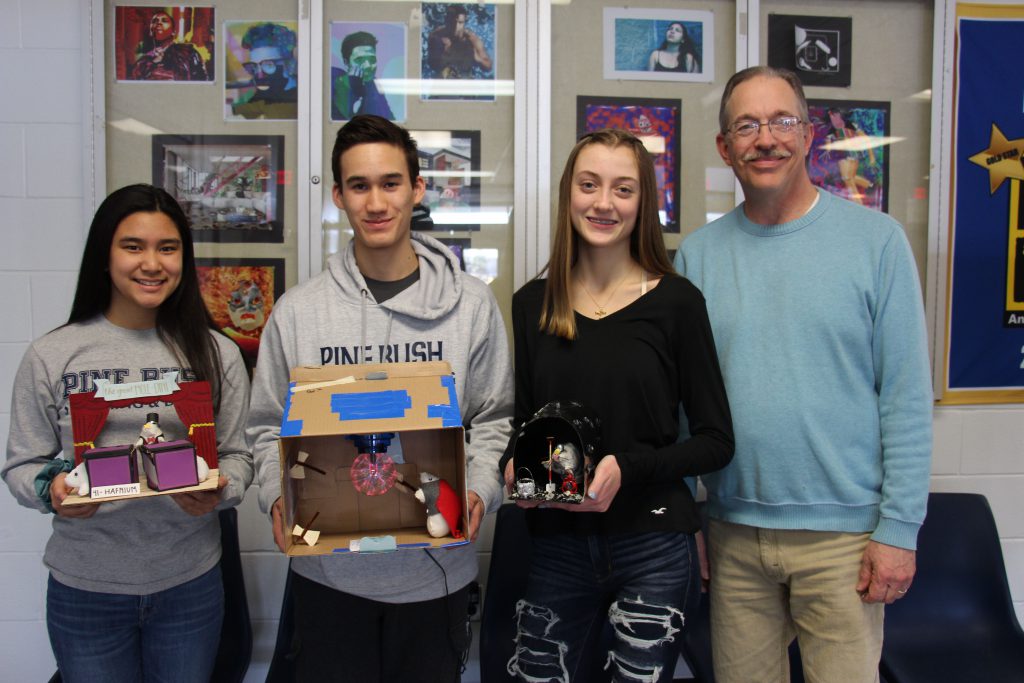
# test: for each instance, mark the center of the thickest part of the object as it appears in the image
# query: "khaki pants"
(769, 585)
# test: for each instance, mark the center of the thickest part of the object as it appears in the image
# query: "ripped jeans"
(621, 599)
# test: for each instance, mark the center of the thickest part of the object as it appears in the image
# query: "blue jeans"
(626, 595)
(171, 636)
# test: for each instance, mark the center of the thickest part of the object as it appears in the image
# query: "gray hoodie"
(333, 319)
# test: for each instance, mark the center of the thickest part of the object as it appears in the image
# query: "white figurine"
(78, 478)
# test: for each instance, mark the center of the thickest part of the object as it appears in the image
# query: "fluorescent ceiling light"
(655, 144)
(457, 174)
(484, 215)
(861, 143)
(135, 127)
(445, 87)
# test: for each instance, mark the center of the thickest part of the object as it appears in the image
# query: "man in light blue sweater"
(818, 320)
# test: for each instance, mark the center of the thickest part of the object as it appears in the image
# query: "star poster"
(985, 296)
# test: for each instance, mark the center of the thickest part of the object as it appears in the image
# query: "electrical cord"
(462, 655)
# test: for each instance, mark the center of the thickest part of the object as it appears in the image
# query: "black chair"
(697, 642)
(506, 583)
(957, 623)
(235, 649)
(282, 664)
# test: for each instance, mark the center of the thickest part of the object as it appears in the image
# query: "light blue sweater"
(820, 333)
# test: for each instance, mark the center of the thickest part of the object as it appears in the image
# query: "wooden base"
(209, 485)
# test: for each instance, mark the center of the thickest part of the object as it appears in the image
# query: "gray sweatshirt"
(333, 319)
(133, 547)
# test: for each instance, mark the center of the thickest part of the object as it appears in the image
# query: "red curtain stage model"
(192, 402)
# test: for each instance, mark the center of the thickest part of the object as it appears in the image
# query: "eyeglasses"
(780, 127)
(267, 66)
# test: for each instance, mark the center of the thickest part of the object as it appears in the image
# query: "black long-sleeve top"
(634, 369)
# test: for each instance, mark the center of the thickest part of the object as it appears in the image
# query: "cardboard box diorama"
(553, 456)
(373, 459)
(111, 472)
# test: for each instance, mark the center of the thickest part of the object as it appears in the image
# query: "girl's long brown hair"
(646, 244)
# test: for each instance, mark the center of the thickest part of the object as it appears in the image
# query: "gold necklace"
(601, 312)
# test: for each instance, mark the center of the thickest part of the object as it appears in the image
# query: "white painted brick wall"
(41, 229)
(41, 233)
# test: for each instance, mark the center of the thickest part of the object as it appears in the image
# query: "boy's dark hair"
(367, 128)
(354, 40)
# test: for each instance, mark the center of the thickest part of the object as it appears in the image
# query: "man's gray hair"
(768, 72)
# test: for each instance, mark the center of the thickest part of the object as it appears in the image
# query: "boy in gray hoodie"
(391, 296)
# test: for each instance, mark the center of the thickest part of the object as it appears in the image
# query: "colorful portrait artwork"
(458, 51)
(261, 70)
(231, 187)
(164, 44)
(849, 155)
(656, 123)
(240, 294)
(367, 69)
(658, 45)
(450, 167)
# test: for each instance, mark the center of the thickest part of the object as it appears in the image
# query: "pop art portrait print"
(367, 65)
(261, 70)
(164, 44)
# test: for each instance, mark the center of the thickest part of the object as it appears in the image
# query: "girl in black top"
(676, 53)
(614, 328)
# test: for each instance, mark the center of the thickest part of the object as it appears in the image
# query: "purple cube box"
(170, 465)
(111, 466)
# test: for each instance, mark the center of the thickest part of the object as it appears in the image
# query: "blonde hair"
(646, 244)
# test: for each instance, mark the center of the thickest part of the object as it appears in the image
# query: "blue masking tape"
(449, 414)
(371, 405)
(290, 427)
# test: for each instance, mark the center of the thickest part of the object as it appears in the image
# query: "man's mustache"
(766, 154)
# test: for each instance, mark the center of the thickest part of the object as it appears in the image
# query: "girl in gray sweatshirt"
(134, 585)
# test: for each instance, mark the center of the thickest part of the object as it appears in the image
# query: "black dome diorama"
(554, 453)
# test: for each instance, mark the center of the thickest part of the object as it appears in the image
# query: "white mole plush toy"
(444, 510)
(78, 478)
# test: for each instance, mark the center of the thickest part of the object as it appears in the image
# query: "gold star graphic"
(1002, 159)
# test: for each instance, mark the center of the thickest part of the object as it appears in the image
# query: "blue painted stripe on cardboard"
(371, 405)
(290, 427)
(449, 414)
